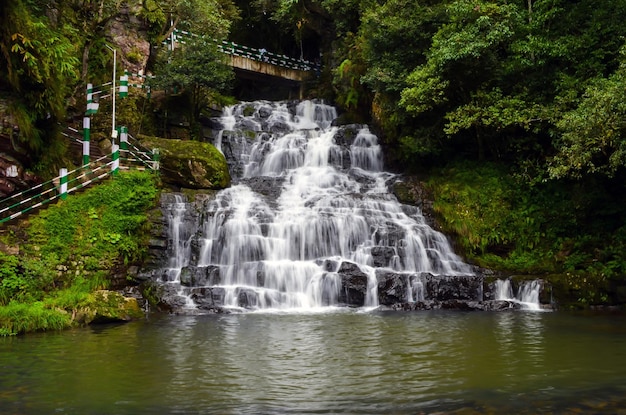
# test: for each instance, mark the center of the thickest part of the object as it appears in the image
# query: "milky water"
(527, 293)
(332, 205)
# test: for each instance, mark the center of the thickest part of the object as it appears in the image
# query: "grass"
(70, 250)
(572, 232)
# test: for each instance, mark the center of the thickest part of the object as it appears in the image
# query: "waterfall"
(309, 221)
(179, 238)
(527, 294)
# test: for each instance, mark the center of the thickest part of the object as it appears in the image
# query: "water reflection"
(340, 362)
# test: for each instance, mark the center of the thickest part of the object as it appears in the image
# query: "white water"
(180, 237)
(286, 253)
(527, 295)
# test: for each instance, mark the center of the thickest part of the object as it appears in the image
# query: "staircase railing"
(56, 188)
(134, 156)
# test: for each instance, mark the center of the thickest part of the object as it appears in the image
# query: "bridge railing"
(261, 55)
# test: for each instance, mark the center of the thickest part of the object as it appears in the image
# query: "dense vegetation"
(70, 250)
(514, 109)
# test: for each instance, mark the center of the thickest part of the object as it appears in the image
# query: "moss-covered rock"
(190, 164)
(108, 307)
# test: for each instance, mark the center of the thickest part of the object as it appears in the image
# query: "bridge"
(258, 61)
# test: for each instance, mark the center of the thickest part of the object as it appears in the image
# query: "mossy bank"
(56, 266)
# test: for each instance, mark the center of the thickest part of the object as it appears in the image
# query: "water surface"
(344, 361)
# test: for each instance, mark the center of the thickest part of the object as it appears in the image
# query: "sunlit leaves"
(494, 110)
(593, 136)
(427, 91)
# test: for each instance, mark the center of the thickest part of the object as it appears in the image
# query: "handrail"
(36, 196)
(81, 177)
(261, 55)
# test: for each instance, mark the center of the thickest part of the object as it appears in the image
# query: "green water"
(344, 362)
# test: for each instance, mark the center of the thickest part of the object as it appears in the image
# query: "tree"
(211, 18)
(199, 71)
(593, 135)
(37, 68)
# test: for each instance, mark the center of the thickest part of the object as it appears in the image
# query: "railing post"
(124, 138)
(86, 139)
(63, 183)
(92, 107)
(156, 157)
(124, 85)
(115, 164)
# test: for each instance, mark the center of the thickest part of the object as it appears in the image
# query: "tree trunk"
(86, 49)
(481, 145)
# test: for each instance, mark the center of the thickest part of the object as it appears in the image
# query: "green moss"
(134, 56)
(69, 251)
(552, 229)
(190, 164)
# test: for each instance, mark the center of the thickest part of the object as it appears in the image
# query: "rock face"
(130, 34)
(13, 177)
(190, 164)
(279, 239)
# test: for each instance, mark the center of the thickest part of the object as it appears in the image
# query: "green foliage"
(11, 283)
(17, 318)
(547, 227)
(22, 280)
(94, 243)
(199, 72)
(37, 68)
(72, 248)
(593, 135)
(212, 18)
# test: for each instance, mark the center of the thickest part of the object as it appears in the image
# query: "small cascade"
(179, 238)
(527, 294)
(309, 221)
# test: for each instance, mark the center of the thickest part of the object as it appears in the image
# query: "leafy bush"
(503, 222)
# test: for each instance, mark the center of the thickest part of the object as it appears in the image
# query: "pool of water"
(339, 361)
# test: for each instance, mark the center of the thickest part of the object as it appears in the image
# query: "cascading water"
(527, 294)
(309, 222)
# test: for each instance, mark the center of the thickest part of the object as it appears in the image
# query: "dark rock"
(164, 297)
(392, 288)
(247, 298)
(353, 285)
(444, 288)
(200, 276)
(207, 298)
(382, 255)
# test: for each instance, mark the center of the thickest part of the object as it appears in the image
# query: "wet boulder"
(353, 285)
(208, 298)
(199, 276)
(392, 287)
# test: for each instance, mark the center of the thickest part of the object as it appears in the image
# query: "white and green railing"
(59, 187)
(261, 55)
(132, 157)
